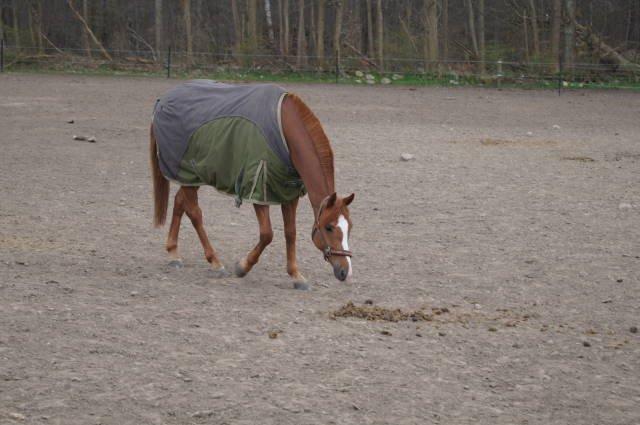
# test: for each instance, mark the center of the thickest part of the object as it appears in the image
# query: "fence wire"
(359, 69)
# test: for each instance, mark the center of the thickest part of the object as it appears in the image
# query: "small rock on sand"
(202, 414)
(407, 157)
(17, 416)
(633, 329)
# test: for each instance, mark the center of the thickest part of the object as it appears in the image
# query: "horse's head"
(331, 234)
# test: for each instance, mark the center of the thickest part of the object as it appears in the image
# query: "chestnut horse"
(312, 157)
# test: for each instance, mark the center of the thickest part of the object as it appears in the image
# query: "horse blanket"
(229, 137)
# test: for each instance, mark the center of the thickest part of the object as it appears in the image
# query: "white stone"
(407, 157)
(385, 80)
(359, 74)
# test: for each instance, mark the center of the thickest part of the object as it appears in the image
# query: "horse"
(197, 124)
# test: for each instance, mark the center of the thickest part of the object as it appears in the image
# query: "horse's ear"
(349, 199)
(332, 200)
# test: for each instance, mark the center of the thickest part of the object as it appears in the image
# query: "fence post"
(1, 54)
(337, 68)
(169, 63)
(499, 72)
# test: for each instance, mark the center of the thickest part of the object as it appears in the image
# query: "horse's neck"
(318, 184)
(310, 149)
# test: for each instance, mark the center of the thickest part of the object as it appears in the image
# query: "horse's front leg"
(266, 236)
(289, 218)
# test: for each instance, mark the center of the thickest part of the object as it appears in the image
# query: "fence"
(355, 69)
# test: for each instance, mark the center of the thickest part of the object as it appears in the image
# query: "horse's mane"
(319, 138)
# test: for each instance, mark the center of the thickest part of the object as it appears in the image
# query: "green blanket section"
(232, 155)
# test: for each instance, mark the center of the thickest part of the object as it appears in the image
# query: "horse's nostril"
(343, 274)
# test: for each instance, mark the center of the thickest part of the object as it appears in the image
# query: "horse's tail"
(160, 185)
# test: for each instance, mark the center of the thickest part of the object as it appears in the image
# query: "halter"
(327, 251)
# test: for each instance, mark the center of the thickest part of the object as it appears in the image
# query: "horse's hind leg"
(289, 218)
(266, 236)
(172, 238)
(194, 213)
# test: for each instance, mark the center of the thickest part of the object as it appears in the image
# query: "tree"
(300, 51)
(481, 37)
(380, 34)
(472, 27)
(158, 26)
(186, 15)
(556, 22)
(85, 34)
(267, 15)
(534, 29)
(16, 24)
(337, 32)
(569, 33)
(431, 33)
(445, 29)
(285, 16)
(252, 25)
(320, 38)
(370, 48)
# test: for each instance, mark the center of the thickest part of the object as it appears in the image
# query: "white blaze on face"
(343, 224)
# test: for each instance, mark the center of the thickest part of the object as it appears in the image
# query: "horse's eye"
(328, 228)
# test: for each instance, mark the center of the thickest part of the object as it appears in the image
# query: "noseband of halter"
(328, 252)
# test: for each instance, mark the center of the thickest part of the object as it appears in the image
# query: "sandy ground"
(528, 235)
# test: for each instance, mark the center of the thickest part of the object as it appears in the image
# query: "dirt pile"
(371, 312)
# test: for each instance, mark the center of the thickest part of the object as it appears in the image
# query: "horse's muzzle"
(340, 272)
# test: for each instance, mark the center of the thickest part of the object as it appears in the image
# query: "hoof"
(239, 270)
(175, 264)
(301, 286)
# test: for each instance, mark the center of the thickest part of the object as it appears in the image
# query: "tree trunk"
(267, 14)
(481, 37)
(158, 27)
(85, 35)
(84, 23)
(186, 11)
(16, 24)
(337, 32)
(285, 15)
(380, 34)
(431, 33)
(300, 51)
(252, 12)
(555, 32)
(472, 28)
(569, 33)
(525, 26)
(370, 48)
(37, 13)
(535, 30)
(445, 29)
(320, 40)
(30, 23)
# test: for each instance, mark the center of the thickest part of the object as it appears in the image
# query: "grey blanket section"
(185, 108)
